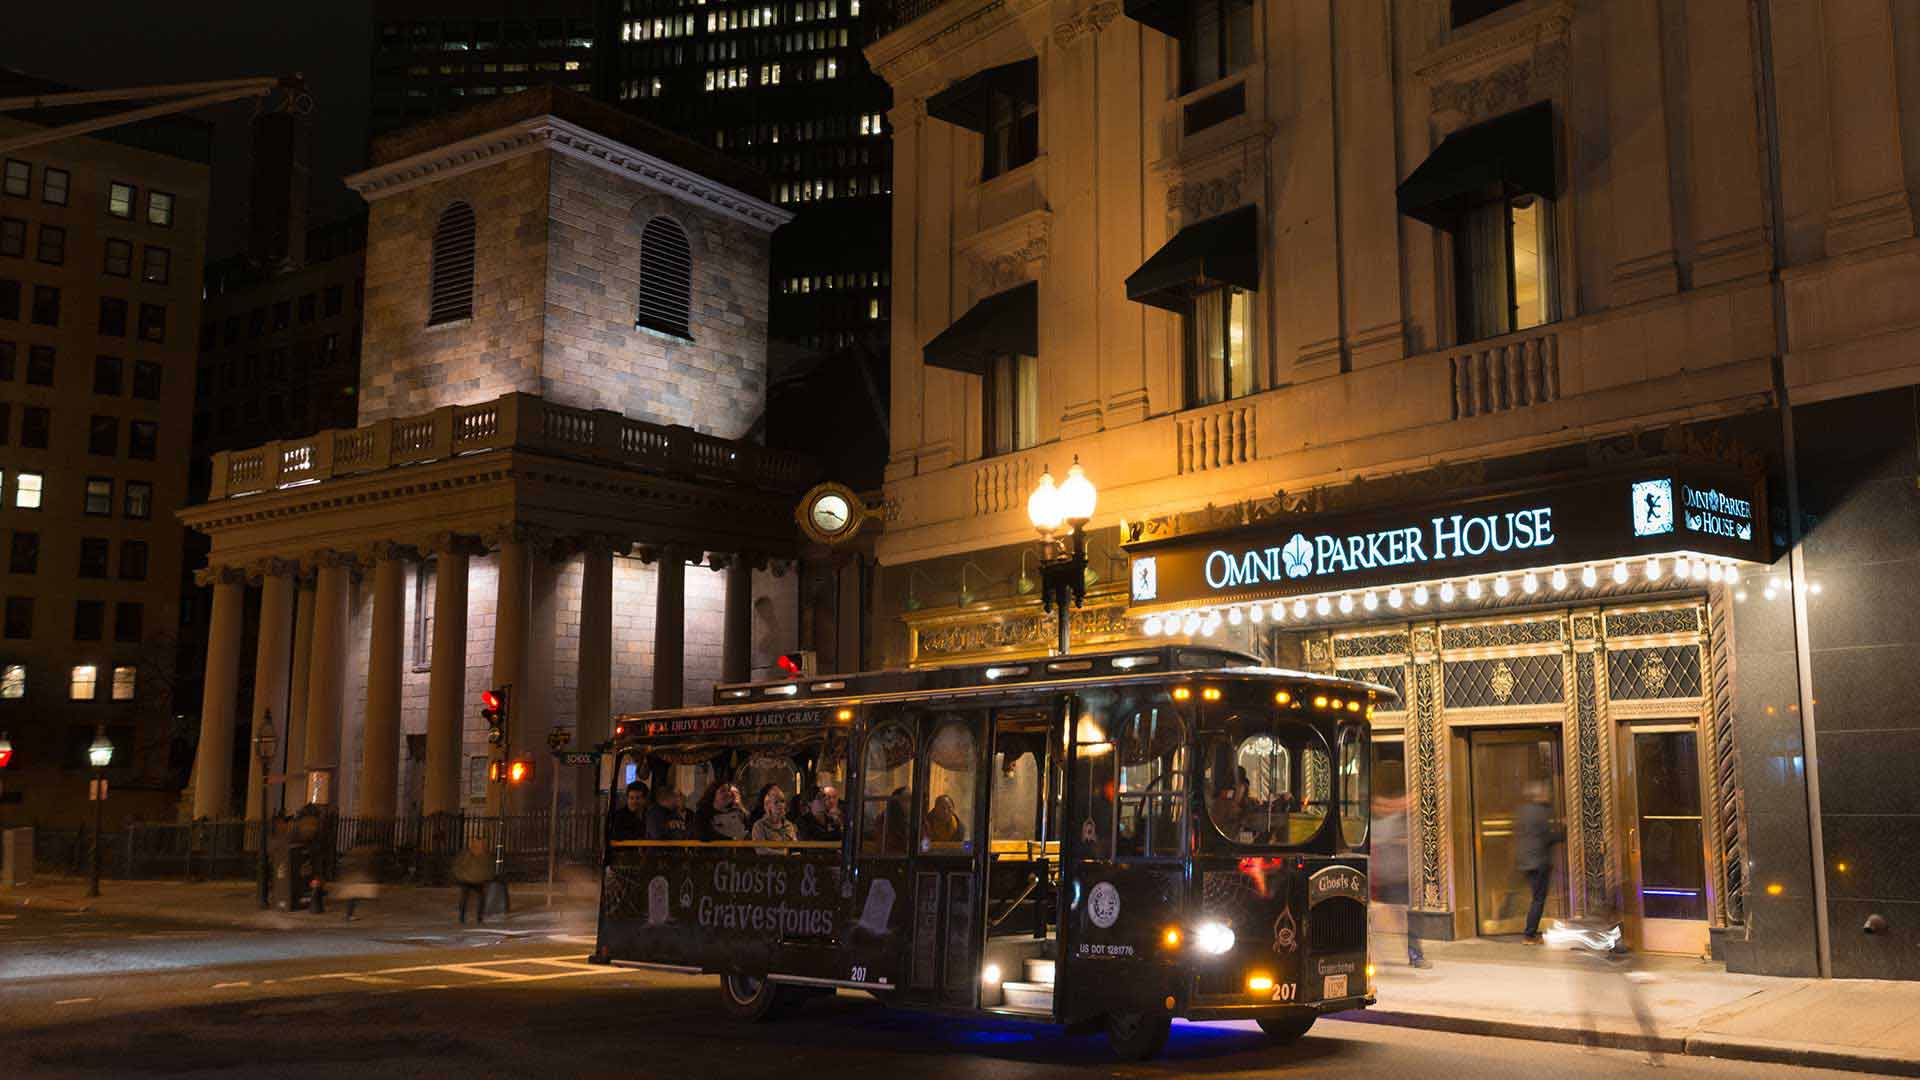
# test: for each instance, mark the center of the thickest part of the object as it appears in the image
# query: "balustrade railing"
(1507, 373)
(515, 421)
(1217, 439)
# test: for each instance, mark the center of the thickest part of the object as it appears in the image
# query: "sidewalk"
(1690, 1007)
(237, 904)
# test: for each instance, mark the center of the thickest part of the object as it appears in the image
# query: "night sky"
(99, 44)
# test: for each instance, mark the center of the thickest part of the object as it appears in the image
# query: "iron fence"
(416, 849)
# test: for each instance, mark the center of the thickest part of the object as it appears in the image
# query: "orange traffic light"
(519, 771)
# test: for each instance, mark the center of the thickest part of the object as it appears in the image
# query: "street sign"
(579, 757)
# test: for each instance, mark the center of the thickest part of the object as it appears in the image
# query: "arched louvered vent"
(666, 278)
(452, 298)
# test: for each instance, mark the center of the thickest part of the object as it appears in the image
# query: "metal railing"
(416, 849)
(509, 422)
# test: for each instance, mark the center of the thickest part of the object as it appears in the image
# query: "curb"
(1679, 1046)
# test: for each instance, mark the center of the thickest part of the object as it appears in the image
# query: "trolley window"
(886, 792)
(953, 773)
(1355, 808)
(1269, 782)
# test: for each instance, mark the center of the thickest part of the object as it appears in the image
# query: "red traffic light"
(789, 665)
(490, 699)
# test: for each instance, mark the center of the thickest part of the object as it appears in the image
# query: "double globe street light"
(1063, 556)
(99, 755)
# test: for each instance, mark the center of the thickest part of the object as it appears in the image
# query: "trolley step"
(1028, 996)
(1040, 971)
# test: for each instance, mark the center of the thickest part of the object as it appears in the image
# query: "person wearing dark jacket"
(719, 816)
(817, 824)
(667, 820)
(1535, 837)
(629, 822)
(473, 870)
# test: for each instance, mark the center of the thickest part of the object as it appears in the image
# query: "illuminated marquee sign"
(1693, 509)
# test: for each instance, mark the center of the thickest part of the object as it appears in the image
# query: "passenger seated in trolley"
(773, 825)
(719, 816)
(943, 826)
(818, 823)
(668, 818)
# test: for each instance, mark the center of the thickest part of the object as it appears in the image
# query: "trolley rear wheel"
(749, 997)
(1137, 1037)
(1286, 1029)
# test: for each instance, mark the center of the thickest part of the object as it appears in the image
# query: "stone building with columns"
(1283, 272)
(565, 336)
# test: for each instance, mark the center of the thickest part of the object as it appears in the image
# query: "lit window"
(873, 309)
(13, 681)
(27, 490)
(120, 200)
(81, 685)
(54, 188)
(1012, 400)
(1219, 346)
(123, 683)
(19, 181)
(1218, 41)
(1502, 254)
(99, 497)
(159, 209)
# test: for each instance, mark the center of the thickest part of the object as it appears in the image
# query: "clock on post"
(830, 513)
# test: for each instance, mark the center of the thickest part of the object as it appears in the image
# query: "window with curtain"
(666, 279)
(451, 297)
(1218, 42)
(1011, 391)
(886, 792)
(1503, 252)
(1219, 346)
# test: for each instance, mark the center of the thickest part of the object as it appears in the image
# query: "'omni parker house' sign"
(1700, 509)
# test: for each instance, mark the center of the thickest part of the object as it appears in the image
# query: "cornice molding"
(581, 144)
(1479, 45)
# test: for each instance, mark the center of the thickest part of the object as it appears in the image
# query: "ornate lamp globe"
(1077, 496)
(1044, 506)
(101, 752)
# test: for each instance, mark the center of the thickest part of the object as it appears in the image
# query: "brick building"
(564, 333)
(101, 250)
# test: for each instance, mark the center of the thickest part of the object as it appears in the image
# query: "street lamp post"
(557, 739)
(265, 742)
(100, 754)
(1063, 557)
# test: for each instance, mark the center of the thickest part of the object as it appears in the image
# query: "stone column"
(736, 649)
(510, 645)
(669, 628)
(594, 684)
(447, 680)
(533, 710)
(380, 755)
(270, 674)
(293, 793)
(326, 674)
(213, 764)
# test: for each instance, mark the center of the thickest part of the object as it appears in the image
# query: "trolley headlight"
(1213, 938)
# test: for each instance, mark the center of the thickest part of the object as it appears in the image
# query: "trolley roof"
(819, 691)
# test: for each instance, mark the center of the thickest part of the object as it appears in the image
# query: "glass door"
(1666, 837)
(1506, 767)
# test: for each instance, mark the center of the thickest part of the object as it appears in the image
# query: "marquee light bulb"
(1152, 626)
(1559, 580)
(1233, 616)
(1530, 584)
(1321, 607)
(1473, 588)
(1420, 596)
(1279, 611)
(1211, 624)
(1653, 569)
(1346, 605)
(1446, 592)
(1682, 568)
(1732, 575)
(1500, 586)
(1299, 609)
(1589, 577)
(1715, 573)
(1619, 573)
(1395, 598)
(1192, 623)
(1371, 601)
(1257, 614)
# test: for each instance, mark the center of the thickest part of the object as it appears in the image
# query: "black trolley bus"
(1108, 840)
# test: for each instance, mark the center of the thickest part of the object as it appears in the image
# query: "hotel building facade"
(1548, 362)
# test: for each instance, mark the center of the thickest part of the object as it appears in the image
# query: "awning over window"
(1167, 16)
(967, 102)
(1508, 155)
(1004, 324)
(1222, 250)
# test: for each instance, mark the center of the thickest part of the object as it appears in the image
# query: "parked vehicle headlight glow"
(1213, 937)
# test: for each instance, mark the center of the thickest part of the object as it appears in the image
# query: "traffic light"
(796, 664)
(494, 706)
(6, 750)
(496, 771)
(519, 770)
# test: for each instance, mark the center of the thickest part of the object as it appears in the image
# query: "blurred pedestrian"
(359, 877)
(1535, 837)
(473, 871)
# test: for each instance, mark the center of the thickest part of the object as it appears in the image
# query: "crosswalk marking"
(489, 972)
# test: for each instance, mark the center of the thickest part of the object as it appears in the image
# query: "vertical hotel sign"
(1696, 509)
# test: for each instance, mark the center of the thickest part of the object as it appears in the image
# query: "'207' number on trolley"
(1286, 991)
(859, 973)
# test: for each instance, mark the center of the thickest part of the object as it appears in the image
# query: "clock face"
(831, 513)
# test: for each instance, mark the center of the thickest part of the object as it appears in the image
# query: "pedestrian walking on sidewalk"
(359, 877)
(1535, 837)
(473, 870)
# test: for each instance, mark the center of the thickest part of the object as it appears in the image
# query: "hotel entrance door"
(1502, 764)
(1660, 802)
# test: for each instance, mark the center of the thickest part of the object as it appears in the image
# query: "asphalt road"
(90, 996)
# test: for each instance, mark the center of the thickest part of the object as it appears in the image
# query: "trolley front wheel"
(1286, 1029)
(1136, 1036)
(747, 997)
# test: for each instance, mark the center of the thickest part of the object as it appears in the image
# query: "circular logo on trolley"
(1103, 904)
